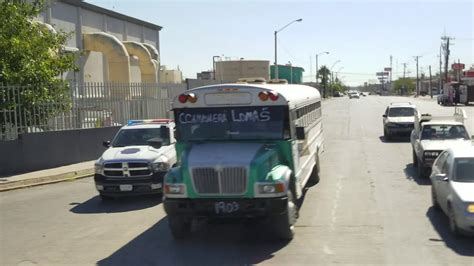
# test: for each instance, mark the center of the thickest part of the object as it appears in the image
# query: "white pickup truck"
(137, 159)
(434, 134)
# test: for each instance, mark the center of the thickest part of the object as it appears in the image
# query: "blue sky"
(362, 34)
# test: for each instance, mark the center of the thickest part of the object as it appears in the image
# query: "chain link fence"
(91, 105)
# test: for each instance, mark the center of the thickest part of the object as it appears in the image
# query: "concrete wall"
(37, 151)
(79, 17)
(231, 71)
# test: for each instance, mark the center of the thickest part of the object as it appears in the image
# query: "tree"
(31, 56)
(404, 85)
(324, 73)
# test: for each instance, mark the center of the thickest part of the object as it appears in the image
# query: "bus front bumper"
(226, 208)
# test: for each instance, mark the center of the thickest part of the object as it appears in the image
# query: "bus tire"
(315, 173)
(284, 224)
(180, 226)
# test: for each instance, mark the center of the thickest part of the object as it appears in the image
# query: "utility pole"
(446, 44)
(404, 69)
(431, 91)
(310, 68)
(391, 70)
(417, 78)
(440, 85)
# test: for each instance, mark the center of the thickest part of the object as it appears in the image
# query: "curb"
(44, 180)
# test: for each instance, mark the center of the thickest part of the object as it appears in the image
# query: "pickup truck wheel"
(180, 226)
(434, 199)
(314, 177)
(284, 224)
(415, 159)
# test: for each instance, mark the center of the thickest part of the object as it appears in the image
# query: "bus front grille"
(227, 181)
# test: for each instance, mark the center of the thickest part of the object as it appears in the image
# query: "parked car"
(399, 119)
(137, 159)
(452, 188)
(338, 94)
(432, 135)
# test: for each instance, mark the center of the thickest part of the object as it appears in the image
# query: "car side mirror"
(106, 143)
(155, 143)
(300, 134)
(441, 177)
(384, 116)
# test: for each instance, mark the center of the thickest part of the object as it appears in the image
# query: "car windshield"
(401, 111)
(260, 122)
(444, 132)
(464, 170)
(141, 136)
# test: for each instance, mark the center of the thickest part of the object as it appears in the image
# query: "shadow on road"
(395, 139)
(125, 204)
(211, 244)
(462, 245)
(412, 175)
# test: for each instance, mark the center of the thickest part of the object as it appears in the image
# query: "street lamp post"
(332, 76)
(276, 50)
(317, 69)
(214, 66)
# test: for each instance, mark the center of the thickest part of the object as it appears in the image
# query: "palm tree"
(324, 72)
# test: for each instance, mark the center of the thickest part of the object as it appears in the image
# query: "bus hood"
(222, 154)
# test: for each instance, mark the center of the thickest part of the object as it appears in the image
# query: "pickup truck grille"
(127, 169)
(225, 181)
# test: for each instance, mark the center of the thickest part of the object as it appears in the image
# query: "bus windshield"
(231, 123)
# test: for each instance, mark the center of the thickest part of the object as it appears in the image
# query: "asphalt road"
(369, 208)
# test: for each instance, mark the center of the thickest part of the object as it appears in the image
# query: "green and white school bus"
(244, 151)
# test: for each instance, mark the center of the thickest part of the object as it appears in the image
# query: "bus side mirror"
(384, 116)
(300, 135)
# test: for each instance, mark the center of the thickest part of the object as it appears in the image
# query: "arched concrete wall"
(115, 52)
(153, 51)
(147, 67)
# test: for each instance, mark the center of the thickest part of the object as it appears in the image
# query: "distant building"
(232, 70)
(115, 47)
(174, 76)
(205, 75)
(293, 74)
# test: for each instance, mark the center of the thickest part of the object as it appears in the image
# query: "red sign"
(457, 66)
(469, 73)
(387, 69)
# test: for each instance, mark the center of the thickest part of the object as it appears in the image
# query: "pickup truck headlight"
(160, 167)
(470, 208)
(270, 189)
(432, 154)
(99, 168)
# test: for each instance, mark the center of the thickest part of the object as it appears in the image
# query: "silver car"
(452, 189)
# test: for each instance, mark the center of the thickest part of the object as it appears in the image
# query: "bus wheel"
(180, 226)
(284, 224)
(315, 174)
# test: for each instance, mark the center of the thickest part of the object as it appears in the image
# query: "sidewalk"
(48, 176)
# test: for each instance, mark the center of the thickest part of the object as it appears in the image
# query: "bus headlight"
(175, 190)
(270, 189)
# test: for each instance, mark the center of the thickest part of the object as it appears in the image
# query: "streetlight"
(276, 32)
(337, 72)
(332, 76)
(214, 66)
(317, 69)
